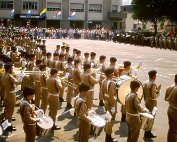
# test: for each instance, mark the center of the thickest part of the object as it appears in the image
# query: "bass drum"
(123, 86)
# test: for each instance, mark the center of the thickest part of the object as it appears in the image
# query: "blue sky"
(126, 2)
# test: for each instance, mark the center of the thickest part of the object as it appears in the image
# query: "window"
(95, 8)
(53, 6)
(77, 7)
(6, 4)
(114, 8)
(29, 5)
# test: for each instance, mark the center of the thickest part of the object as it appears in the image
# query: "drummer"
(109, 90)
(81, 110)
(151, 93)
(26, 112)
(133, 108)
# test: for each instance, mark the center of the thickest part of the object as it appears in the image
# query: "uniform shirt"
(151, 88)
(171, 95)
(133, 104)
(8, 82)
(30, 65)
(26, 112)
(48, 63)
(87, 78)
(109, 90)
(82, 109)
(43, 80)
(76, 75)
(69, 69)
(54, 86)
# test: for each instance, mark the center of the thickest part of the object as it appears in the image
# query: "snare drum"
(98, 124)
(147, 121)
(44, 127)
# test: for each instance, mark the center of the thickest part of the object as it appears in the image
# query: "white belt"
(13, 91)
(152, 99)
(91, 90)
(54, 94)
(106, 95)
(173, 107)
(44, 88)
(136, 114)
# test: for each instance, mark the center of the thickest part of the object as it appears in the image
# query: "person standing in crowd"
(81, 111)
(151, 93)
(102, 67)
(133, 109)
(171, 97)
(43, 89)
(112, 64)
(109, 91)
(8, 84)
(126, 71)
(69, 71)
(54, 87)
(87, 78)
(27, 115)
(86, 58)
(76, 75)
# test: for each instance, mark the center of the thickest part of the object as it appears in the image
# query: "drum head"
(46, 122)
(124, 90)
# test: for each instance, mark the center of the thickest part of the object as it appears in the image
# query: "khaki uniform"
(76, 79)
(133, 108)
(87, 78)
(83, 121)
(150, 97)
(54, 87)
(8, 83)
(109, 91)
(152, 93)
(44, 92)
(102, 77)
(69, 69)
(171, 97)
(29, 126)
(61, 67)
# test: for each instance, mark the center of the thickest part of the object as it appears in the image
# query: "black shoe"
(149, 134)
(101, 103)
(11, 128)
(13, 118)
(69, 106)
(123, 119)
(95, 99)
(61, 99)
(55, 127)
(110, 139)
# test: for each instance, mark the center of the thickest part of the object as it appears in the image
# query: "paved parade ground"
(164, 61)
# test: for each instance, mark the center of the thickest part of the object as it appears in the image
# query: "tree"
(149, 11)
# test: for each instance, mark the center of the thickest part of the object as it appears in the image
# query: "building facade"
(88, 13)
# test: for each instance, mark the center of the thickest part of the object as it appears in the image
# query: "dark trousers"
(30, 133)
(172, 120)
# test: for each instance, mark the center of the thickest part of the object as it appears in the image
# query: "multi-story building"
(89, 13)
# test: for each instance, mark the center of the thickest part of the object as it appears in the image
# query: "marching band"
(47, 79)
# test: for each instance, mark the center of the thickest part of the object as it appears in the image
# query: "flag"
(58, 14)
(43, 14)
(72, 15)
(12, 13)
(28, 14)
